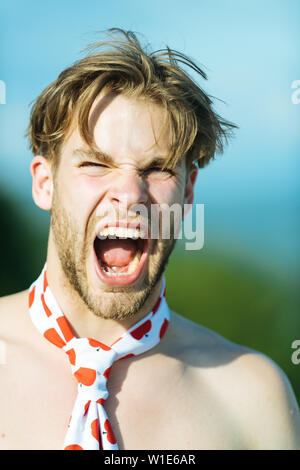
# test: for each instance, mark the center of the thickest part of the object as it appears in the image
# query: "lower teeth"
(112, 270)
(115, 274)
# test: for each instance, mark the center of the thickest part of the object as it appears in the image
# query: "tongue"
(116, 252)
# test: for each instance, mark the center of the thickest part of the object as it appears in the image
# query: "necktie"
(91, 362)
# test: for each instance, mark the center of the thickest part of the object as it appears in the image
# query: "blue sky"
(250, 51)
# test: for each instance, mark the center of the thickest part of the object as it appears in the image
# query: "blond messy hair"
(124, 67)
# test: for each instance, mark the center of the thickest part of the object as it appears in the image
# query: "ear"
(42, 183)
(189, 188)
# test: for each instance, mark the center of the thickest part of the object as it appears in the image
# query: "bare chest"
(154, 405)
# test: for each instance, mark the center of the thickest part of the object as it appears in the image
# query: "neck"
(84, 322)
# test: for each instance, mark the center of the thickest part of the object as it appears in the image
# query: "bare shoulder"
(273, 415)
(201, 342)
(253, 387)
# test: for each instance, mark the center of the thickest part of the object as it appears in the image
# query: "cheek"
(82, 192)
(167, 192)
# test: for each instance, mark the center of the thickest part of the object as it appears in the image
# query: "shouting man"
(95, 358)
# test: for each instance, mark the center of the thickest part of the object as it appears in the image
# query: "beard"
(74, 245)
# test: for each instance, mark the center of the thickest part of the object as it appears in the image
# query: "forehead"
(127, 128)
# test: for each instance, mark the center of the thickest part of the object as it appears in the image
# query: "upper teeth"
(121, 232)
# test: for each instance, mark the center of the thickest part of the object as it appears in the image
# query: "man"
(120, 130)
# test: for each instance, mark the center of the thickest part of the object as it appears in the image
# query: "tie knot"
(91, 362)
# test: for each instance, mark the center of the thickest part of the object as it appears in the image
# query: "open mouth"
(120, 254)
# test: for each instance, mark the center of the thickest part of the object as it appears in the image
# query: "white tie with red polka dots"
(91, 362)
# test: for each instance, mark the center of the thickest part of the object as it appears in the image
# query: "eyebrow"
(94, 154)
(108, 159)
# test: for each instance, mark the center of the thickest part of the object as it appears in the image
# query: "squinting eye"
(92, 164)
(160, 171)
(93, 169)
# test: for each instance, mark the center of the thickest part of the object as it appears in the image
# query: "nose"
(128, 189)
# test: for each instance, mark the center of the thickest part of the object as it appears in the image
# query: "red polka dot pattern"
(141, 330)
(156, 307)
(110, 434)
(92, 361)
(72, 356)
(73, 447)
(85, 376)
(65, 328)
(97, 344)
(95, 429)
(107, 372)
(47, 310)
(163, 328)
(31, 296)
(54, 338)
(86, 407)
